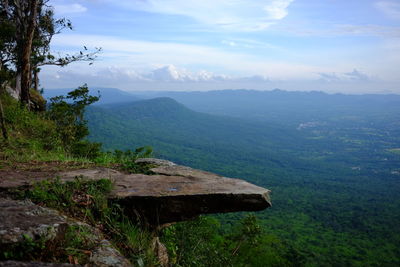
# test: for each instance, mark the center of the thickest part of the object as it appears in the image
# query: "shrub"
(67, 113)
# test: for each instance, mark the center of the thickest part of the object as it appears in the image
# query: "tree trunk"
(26, 77)
(2, 122)
(36, 80)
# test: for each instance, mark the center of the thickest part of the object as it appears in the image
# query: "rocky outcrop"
(177, 193)
(172, 193)
(22, 221)
(168, 193)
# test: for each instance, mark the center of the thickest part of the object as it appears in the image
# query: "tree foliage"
(204, 242)
(26, 31)
(68, 114)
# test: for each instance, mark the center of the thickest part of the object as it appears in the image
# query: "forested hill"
(286, 106)
(167, 123)
(335, 182)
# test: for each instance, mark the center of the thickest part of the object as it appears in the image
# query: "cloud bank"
(235, 15)
(63, 9)
(172, 78)
(354, 75)
(390, 8)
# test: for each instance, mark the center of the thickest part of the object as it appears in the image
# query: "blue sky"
(347, 46)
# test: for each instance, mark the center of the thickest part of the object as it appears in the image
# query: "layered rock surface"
(23, 220)
(169, 193)
(177, 193)
(172, 193)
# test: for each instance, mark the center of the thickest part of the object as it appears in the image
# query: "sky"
(345, 46)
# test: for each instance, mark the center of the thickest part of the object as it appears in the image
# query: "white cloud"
(117, 76)
(146, 55)
(145, 64)
(329, 77)
(277, 9)
(234, 15)
(367, 30)
(230, 43)
(62, 9)
(170, 73)
(249, 43)
(178, 79)
(354, 75)
(390, 8)
(335, 30)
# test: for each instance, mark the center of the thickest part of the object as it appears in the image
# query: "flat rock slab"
(173, 193)
(17, 178)
(177, 193)
(22, 219)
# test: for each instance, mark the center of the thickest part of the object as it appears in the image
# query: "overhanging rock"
(177, 193)
(172, 193)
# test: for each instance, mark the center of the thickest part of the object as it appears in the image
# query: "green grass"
(87, 201)
(31, 135)
(73, 245)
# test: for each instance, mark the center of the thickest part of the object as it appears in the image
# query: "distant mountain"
(170, 127)
(286, 107)
(107, 95)
(288, 132)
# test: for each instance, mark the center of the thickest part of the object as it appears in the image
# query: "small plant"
(82, 199)
(128, 158)
(28, 249)
(67, 112)
(73, 246)
(87, 201)
(77, 244)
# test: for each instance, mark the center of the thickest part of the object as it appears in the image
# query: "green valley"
(334, 182)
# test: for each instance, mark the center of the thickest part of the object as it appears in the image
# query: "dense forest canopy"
(332, 164)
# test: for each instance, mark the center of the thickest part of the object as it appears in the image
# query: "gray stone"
(23, 218)
(19, 219)
(105, 255)
(159, 162)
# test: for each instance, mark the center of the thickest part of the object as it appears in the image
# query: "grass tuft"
(87, 201)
